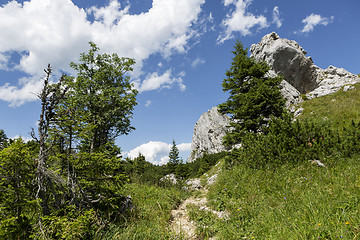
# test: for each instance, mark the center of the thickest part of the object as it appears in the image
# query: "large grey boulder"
(171, 178)
(209, 131)
(288, 59)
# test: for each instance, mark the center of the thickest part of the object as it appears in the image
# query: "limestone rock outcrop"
(288, 59)
(208, 133)
(331, 80)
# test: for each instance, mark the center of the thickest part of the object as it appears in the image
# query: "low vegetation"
(337, 110)
(301, 201)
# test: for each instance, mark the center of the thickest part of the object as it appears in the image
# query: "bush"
(203, 164)
(289, 142)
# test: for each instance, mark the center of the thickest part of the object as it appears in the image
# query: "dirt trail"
(181, 224)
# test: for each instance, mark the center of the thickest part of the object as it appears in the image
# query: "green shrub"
(289, 142)
(17, 204)
(71, 225)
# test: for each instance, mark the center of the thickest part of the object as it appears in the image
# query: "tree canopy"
(254, 97)
(100, 100)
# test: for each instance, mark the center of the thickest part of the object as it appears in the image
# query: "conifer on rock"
(254, 99)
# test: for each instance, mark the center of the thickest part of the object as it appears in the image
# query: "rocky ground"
(181, 224)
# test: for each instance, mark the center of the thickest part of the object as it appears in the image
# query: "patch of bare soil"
(181, 224)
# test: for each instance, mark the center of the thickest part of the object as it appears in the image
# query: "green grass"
(293, 202)
(337, 109)
(151, 217)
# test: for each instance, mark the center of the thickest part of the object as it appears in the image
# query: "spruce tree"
(254, 96)
(174, 159)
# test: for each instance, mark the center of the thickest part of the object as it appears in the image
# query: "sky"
(182, 50)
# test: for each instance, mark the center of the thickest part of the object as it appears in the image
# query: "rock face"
(331, 80)
(208, 133)
(288, 59)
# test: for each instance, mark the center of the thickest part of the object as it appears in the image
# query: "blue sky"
(182, 49)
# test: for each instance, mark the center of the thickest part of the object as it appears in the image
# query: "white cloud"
(198, 61)
(313, 20)
(4, 59)
(108, 15)
(184, 147)
(240, 20)
(228, 2)
(157, 152)
(57, 31)
(155, 81)
(148, 102)
(164, 160)
(151, 150)
(25, 139)
(18, 96)
(276, 17)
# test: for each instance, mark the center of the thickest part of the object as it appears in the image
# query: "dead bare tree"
(50, 96)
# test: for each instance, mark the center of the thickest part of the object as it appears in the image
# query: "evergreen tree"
(3, 139)
(174, 159)
(254, 96)
(139, 164)
(17, 203)
(174, 154)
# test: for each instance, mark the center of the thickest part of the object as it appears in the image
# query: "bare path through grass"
(181, 224)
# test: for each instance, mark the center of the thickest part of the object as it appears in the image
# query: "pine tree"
(174, 159)
(254, 96)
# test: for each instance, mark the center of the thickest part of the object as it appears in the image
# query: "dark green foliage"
(254, 97)
(17, 190)
(139, 164)
(174, 163)
(174, 154)
(67, 184)
(349, 143)
(203, 164)
(100, 176)
(141, 171)
(99, 105)
(289, 142)
(3, 139)
(72, 224)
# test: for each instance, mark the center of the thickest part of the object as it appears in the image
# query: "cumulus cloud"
(56, 32)
(276, 17)
(155, 81)
(313, 20)
(156, 151)
(18, 96)
(240, 20)
(184, 147)
(108, 15)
